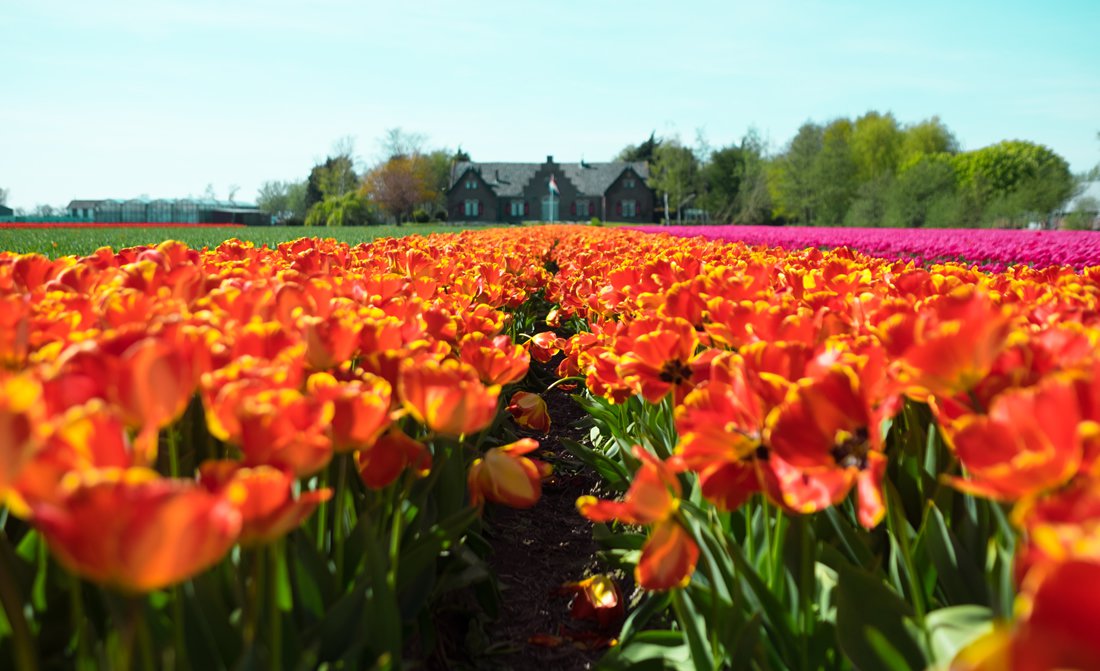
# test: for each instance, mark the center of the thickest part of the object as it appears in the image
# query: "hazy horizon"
(120, 99)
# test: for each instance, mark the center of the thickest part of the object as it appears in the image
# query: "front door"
(550, 206)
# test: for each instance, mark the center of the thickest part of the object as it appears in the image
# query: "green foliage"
(335, 177)
(646, 151)
(675, 171)
(284, 201)
(927, 137)
(873, 172)
(783, 591)
(924, 194)
(791, 176)
(349, 209)
(876, 145)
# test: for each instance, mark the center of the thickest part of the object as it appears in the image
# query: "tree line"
(409, 183)
(870, 171)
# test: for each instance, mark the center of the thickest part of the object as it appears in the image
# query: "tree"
(284, 201)
(721, 178)
(926, 138)
(396, 142)
(3, 196)
(349, 209)
(923, 195)
(876, 145)
(675, 173)
(1014, 178)
(833, 173)
(335, 177)
(461, 156)
(646, 151)
(791, 175)
(753, 201)
(399, 185)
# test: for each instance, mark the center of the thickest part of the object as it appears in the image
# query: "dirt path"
(536, 550)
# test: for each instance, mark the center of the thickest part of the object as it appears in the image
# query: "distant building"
(6, 211)
(175, 211)
(514, 192)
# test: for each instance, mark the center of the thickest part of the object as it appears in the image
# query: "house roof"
(83, 204)
(510, 179)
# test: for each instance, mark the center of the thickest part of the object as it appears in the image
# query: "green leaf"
(871, 623)
(659, 650)
(951, 629)
(961, 580)
(614, 474)
(695, 630)
(652, 604)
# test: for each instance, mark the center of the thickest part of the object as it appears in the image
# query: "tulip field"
(294, 456)
(990, 249)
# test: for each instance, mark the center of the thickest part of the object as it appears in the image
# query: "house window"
(517, 208)
(630, 209)
(471, 184)
(629, 183)
(582, 209)
(473, 208)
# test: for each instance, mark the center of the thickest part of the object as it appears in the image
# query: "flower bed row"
(992, 249)
(279, 455)
(99, 224)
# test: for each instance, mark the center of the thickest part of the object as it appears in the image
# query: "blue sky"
(122, 98)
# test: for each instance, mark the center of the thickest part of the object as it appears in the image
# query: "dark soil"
(536, 550)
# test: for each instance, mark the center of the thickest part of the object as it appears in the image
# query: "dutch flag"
(553, 185)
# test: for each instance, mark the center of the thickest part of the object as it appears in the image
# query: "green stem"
(144, 638)
(179, 641)
(76, 604)
(806, 585)
(256, 593)
(564, 380)
(22, 638)
(173, 453)
(396, 530)
(322, 513)
(778, 538)
(338, 527)
(275, 616)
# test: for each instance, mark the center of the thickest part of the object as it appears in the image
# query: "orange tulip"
(283, 428)
(329, 341)
(596, 598)
(948, 346)
(496, 360)
(505, 476)
(361, 408)
(385, 459)
(1057, 630)
(135, 531)
(447, 397)
(660, 359)
(669, 555)
(264, 497)
(1028, 443)
(529, 411)
(83, 438)
(21, 430)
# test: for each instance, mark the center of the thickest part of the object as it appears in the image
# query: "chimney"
(549, 158)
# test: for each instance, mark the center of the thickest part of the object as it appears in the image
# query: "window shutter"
(618, 208)
(573, 208)
(526, 208)
(480, 208)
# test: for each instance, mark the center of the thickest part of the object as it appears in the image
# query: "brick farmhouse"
(514, 192)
